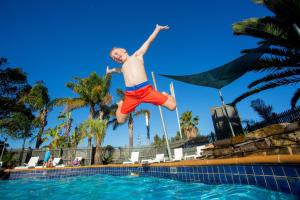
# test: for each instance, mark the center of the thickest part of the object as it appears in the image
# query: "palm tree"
(13, 85)
(92, 91)
(97, 128)
(38, 99)
(76, 137)
(189, 124)
(18, 126)
(67, 124)
(263, 110)
(57, 140)
(282, 58)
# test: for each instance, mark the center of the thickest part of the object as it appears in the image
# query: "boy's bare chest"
(133, 63)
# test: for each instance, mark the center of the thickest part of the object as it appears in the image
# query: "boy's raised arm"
(141, 51)
(113, 70)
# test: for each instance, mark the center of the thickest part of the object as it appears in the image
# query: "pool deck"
(270, 159)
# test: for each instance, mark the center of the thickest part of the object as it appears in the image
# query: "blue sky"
(56, 40)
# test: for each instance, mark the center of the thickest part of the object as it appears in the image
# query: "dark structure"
(221, 125)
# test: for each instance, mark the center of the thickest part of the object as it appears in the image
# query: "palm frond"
(142, 112)
(273, 63)
(120, 94)
(285, 10)
(274, 84)
(275, 51)
(272, 77)
(295, 98)
(266, 28)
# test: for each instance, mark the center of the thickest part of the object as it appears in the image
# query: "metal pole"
(173, 94)
(162, 121)
(147, 127)
(297, 29)
(225, 112)
(3, 149)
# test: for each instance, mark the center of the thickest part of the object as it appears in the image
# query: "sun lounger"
(134, 158)
(31, 164)
(178, 154)
(199, 153)
(158, 158)
(56, 162)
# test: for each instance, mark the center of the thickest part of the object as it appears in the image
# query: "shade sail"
(225, 74)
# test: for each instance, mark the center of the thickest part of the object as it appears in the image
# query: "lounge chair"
(134, 158)
(178, 154)
(56, 162)
(158, 158)
(199, 153)
(31, 164)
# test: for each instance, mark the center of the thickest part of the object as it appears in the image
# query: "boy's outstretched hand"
(108, 71)
(159, 27)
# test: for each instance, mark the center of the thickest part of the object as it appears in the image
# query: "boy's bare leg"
(170, 103)
(121, 118)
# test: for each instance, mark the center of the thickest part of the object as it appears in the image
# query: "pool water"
(106, 187)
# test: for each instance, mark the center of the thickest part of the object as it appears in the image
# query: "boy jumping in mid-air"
(138, 89)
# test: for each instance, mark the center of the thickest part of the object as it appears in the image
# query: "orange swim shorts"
(145, 94)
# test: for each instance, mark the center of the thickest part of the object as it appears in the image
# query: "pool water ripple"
(106, 187)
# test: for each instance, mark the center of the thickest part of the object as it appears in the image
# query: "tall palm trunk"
(130, 130)
(99, 139)
(97, 158)
(22, 152)
(43, 123)
(91, 116)
(68, 129)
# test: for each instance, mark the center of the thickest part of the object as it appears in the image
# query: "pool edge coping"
(271, 159)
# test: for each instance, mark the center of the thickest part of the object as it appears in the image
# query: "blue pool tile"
(209, 169)
(199, 170)
(205, 178)
(249, 169)
(290, 171)
(227, 169)
(271, 183)
(294, 185)
(179, 169)
(189, 169)
(244, 179)
(211, 178)
(251, 179)
(223, 179)
(215, 169)
(260, 181)
(283, 184)
(267, 170)
(241, 169)
(297, 168)
(257, 170)
(217, 178)
(236, 179)
(234, 169)
(221, 169)
(195, 169)
(204, 169)
(278, 171)
(229, 178)
(200, 176)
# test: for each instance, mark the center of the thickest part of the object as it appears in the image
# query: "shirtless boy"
(138, 88)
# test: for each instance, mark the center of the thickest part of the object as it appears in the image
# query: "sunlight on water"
(106, 187)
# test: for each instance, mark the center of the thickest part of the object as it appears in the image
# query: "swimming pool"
(128, 187)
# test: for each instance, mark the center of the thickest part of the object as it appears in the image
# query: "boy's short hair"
(113, 50)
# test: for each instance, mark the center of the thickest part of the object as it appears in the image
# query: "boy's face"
(119, 55)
